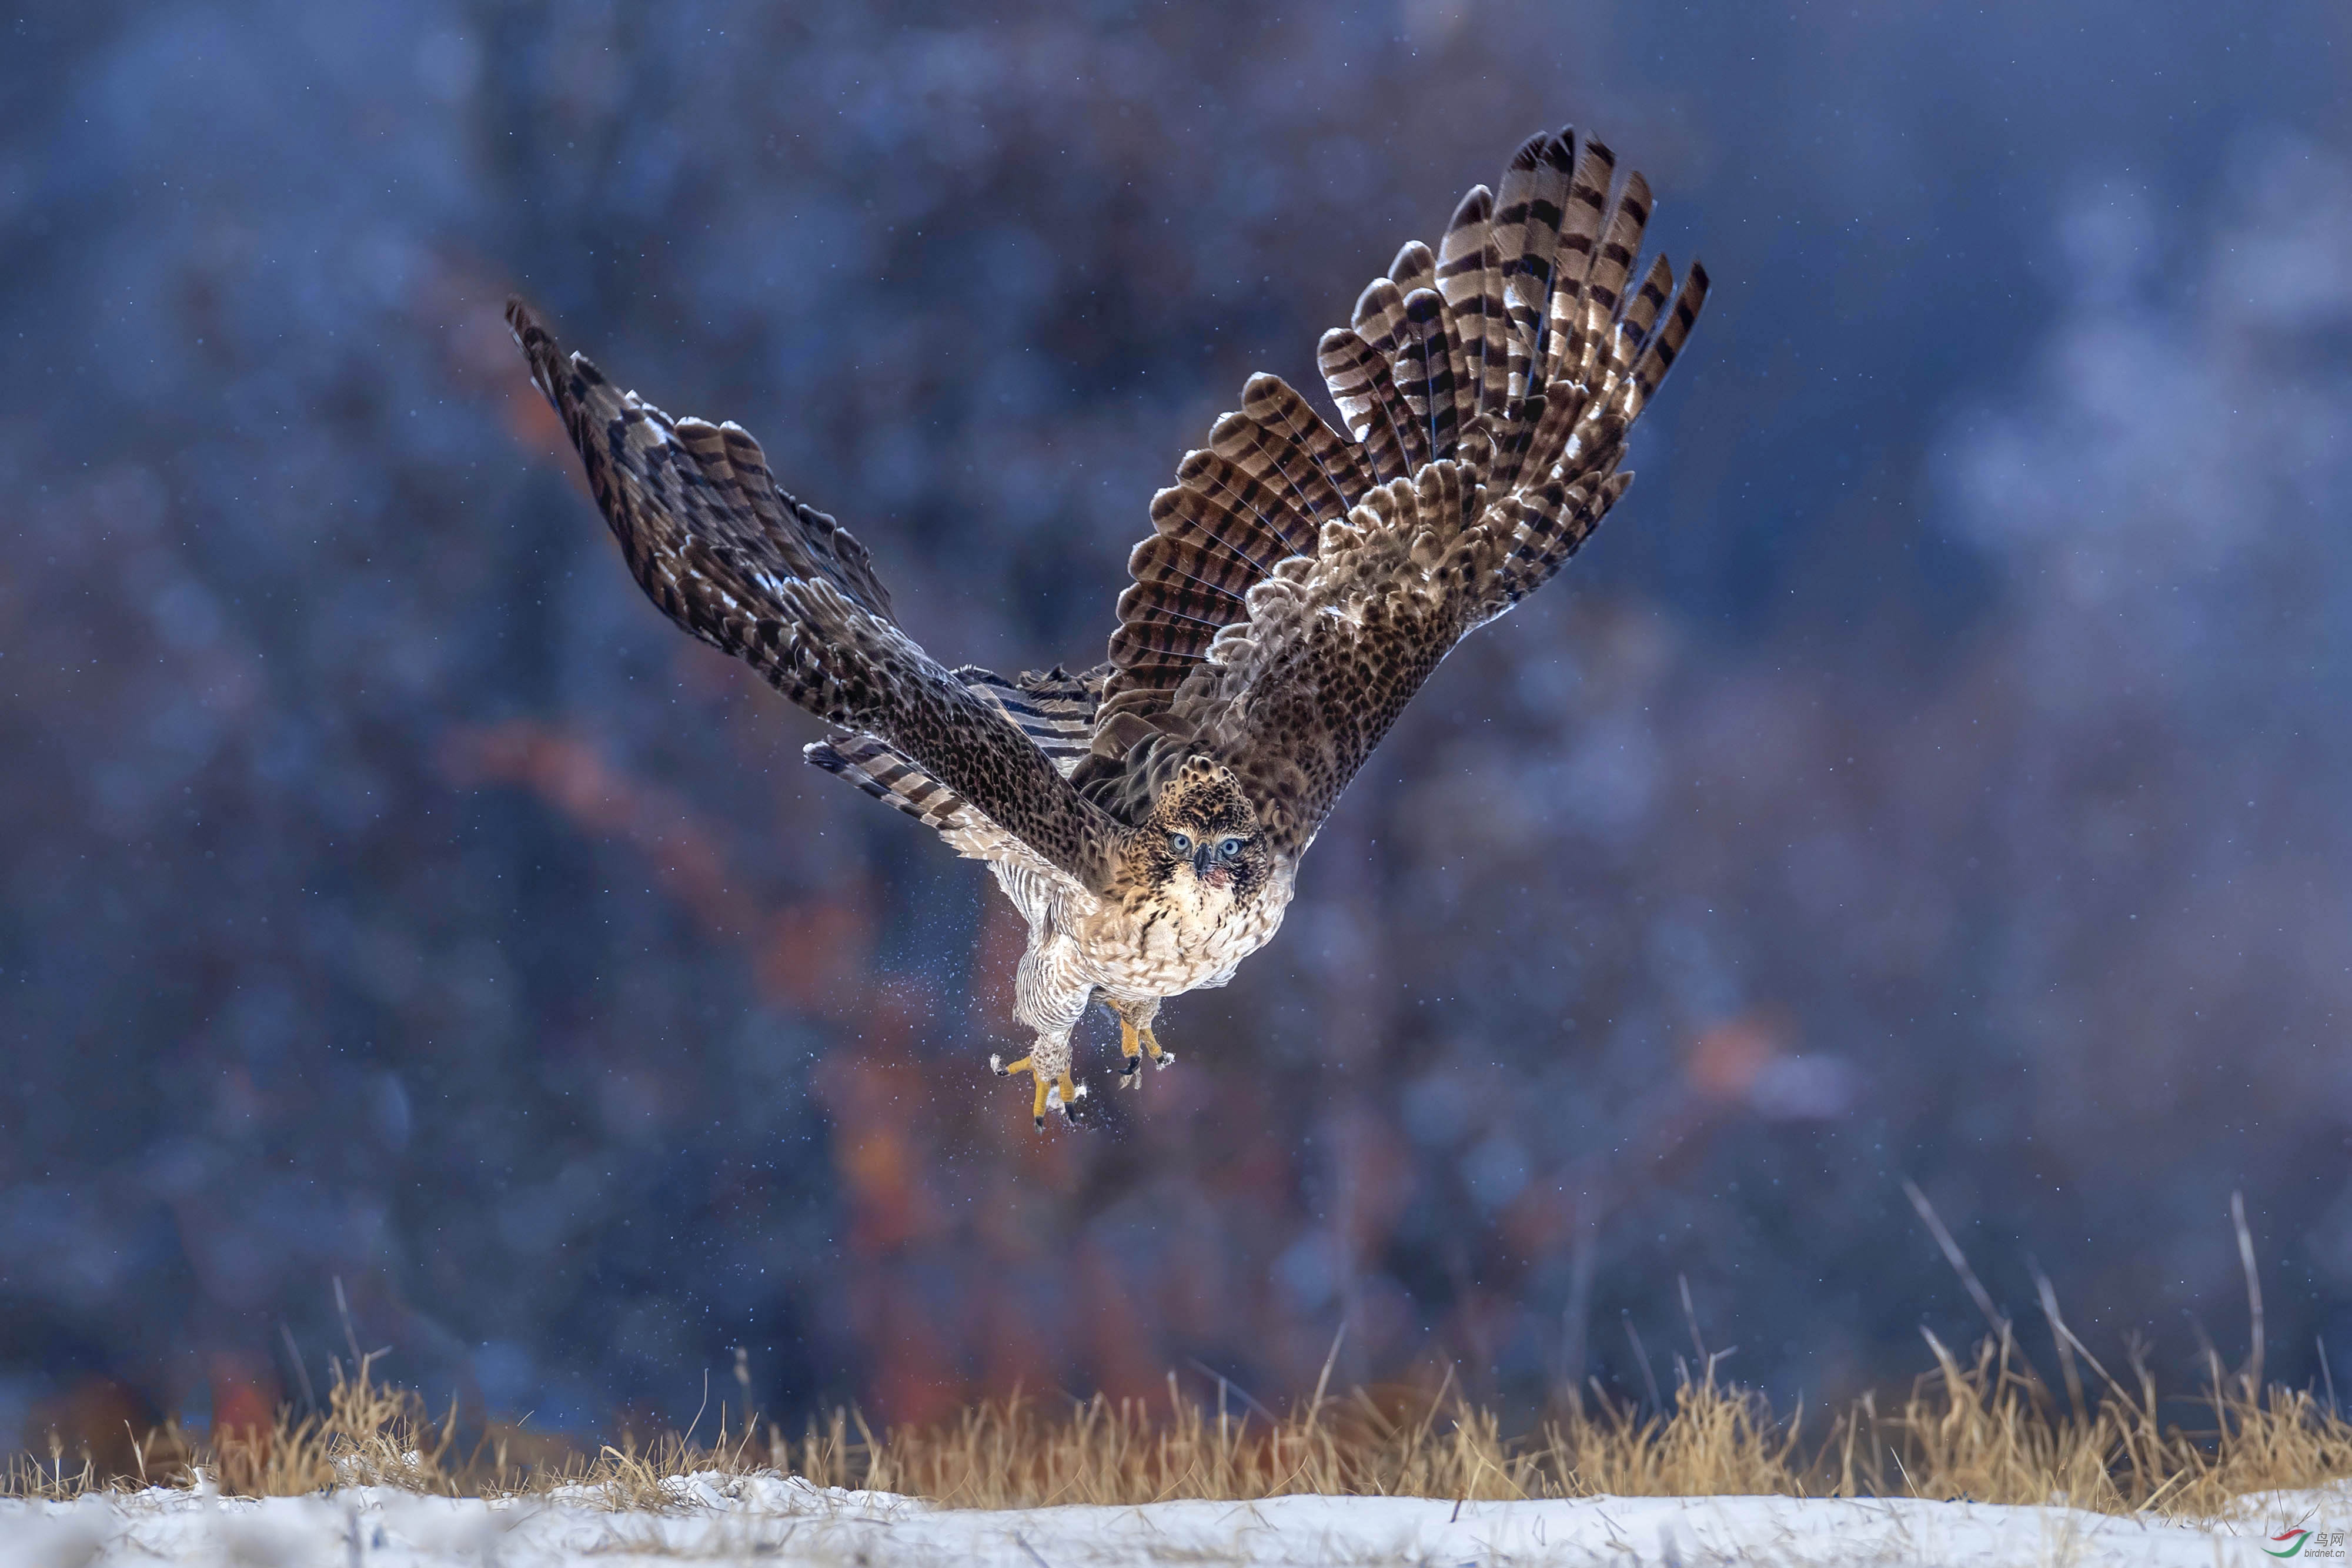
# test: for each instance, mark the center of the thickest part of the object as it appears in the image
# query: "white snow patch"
(729, 1519)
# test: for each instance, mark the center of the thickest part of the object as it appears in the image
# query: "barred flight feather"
(1413, 268)
(1472, 285)
(1365, 391)
(1642, 309)
(1299, 486)
(1621, 238)
(1494, 376)
(1668, 342)
(1569, 317)
(1191, 550)
(751, 570)
(1378, 315)
(897, 780)
(869, 762)
(1054, 708)
(1173, 593)
(1436, 348)
(1380, 327)
(1196, 516)
(1260, 513)
(1300, 441)
(1414, 369)
(1528, 209)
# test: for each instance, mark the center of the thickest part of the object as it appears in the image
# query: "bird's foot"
(1135, 1044)
(1057, 1093)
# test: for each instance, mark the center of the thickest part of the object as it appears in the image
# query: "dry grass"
(1987, 1426)
(1983, 1426)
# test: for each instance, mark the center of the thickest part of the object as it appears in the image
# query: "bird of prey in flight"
(1299, 583)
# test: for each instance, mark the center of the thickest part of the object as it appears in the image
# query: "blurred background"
(1936, 770)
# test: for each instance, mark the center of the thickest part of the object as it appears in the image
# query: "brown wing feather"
(1289, 488)
(1666, 343)
(1528, 205)
(1470, 275)
(1486, 390)
(1361, 384)
(1311, 455)
(1414, 267)
(1433, 351)
(748, 570)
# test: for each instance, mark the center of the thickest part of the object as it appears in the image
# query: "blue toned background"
(1936, 769)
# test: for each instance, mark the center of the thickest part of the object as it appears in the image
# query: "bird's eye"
(1181, 843)
(1231, 849)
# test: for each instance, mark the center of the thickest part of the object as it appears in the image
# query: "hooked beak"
(1201, 861)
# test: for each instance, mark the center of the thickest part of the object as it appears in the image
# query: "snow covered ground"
(726, 1519)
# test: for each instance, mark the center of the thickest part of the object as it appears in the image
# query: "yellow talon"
(1136, 1043)
(1061, 1090)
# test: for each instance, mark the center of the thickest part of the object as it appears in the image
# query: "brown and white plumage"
(1298, 586)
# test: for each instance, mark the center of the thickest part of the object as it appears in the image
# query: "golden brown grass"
(1984, 1426)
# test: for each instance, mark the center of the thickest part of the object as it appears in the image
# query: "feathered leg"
(1136, 1040)
(1048, 1001)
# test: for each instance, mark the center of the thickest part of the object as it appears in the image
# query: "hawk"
(1147, 817)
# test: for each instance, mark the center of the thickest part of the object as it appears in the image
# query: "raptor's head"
(1204, 831)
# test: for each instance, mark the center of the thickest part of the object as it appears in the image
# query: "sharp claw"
(1130, 1047)
(1061, 1092)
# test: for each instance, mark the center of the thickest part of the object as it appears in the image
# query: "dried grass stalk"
(1986, 1427)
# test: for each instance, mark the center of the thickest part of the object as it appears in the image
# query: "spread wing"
(734, 559)
(1299, 585)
